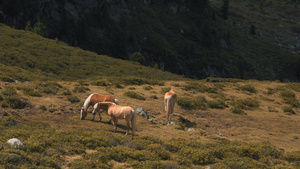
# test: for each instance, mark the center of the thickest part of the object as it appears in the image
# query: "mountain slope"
(28, 56)
(183, 37)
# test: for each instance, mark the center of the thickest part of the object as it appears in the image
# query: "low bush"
(165, 90)
(288, 109)
(15, 102)
(147, 88)
(66, 92)
(140, 81)
(134, 95)
(247, 104)
(237, 110)
(290, 98)
(30, 91)
(153, 97)
(100, 83)
(9, 91)
(198, 102)
(49, 87)
(217, 104)
(81, 89)
(73, 99)
(248, 88)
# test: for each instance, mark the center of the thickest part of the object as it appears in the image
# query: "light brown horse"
(92, 100)
(170, 100)
(118, 112)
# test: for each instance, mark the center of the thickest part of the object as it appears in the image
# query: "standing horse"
(118, 112)
(92, 100)
(170, 100)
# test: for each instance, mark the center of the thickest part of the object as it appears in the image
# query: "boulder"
(15, 143)
(142, 112)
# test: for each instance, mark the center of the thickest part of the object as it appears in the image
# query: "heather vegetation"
(217, 122)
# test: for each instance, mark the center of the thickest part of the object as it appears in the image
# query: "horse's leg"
(94, 113)
(100, 114)
(114, 120)
(128, 125)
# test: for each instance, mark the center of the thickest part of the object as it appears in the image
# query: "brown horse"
(170, 100)
(92, 100)
(118, 112)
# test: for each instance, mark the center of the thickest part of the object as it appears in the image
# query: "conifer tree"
(225, 9)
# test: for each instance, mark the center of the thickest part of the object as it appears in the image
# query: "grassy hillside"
(221, 123)
(183, 37)
(38, 58)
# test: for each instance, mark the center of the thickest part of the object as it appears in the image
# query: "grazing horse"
(170, 100)
(92, 100)
(118, 112)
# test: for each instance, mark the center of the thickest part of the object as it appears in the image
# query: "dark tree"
(252, 30)
(225, 9)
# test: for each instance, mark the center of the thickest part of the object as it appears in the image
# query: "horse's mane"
(87, 102)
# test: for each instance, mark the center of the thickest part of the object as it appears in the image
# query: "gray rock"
(191, 129)
(142, 112)
(171, 123)
(15, 143)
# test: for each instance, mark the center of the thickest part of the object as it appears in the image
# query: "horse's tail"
(133, 121)
(117, 101)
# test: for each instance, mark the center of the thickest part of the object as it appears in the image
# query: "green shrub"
(294, 86)
(165, 90)
(237, 110)
(248, 88)
(288, 109)
(134, 95)
(197, 156)
(238, 162)
(147, 88)
(9, 121)
(290, 98)
(49, 87)
(100, 83)
(198, 102)
(30, 91)
(73, 99)
(217, 104)
(6, 79)
(67, 92)
(248, 104)
(196, 87)
(9, 91)
(293, 156)
(80, 164)
(15, 102)
(271, 91)
(137, 57)
(81, 89)
(152, 97)
(140, 81)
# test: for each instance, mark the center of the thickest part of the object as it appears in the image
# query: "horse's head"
(83, 113)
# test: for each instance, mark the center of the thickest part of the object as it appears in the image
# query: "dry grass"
(258, 125)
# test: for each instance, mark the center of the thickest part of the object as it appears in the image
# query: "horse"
(170, 100)
(92, 100)
(118, 112)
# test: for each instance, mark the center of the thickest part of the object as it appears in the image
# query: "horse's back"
(101, 98)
